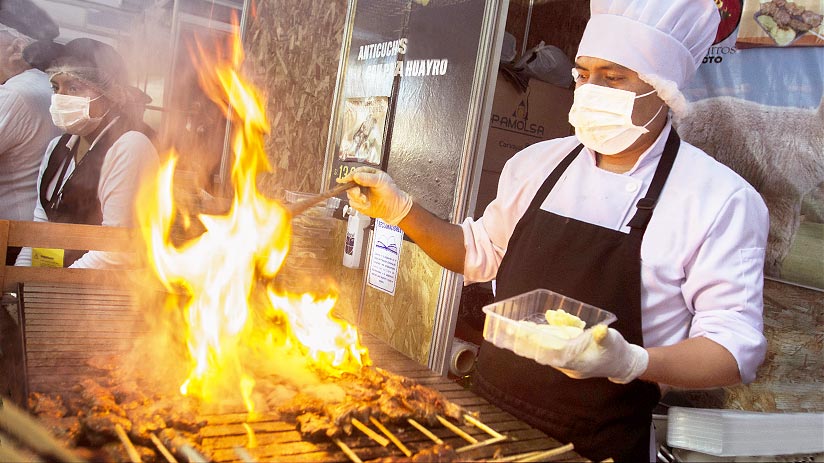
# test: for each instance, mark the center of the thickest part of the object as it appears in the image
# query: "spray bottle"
(354, 249)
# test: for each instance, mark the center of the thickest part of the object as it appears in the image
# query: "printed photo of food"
(781, 23)
(363, 124)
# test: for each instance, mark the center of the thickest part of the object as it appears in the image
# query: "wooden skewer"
(517, 456)
(9, 452)
(162, 448)
(369, 432)
(425, 431)
(460, 432)
(192, 454)
(478, 424)
(28, 431)
(301, 206)
(391, 436)
(349, 453)
(490, 441)
(244, 456)
(134, 457)
(546, 456)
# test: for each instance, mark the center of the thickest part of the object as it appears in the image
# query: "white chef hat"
(664, 41)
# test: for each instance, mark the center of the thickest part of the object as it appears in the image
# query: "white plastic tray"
(735, 432)
(504, 328)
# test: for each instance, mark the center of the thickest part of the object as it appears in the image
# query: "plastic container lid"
(507, 326)
(743, 433)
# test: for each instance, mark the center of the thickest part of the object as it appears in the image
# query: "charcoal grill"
(57, 339)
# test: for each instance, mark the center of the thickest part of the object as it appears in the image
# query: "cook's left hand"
(608, 355)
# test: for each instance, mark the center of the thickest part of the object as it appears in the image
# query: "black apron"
(598, 266)
(76, 201)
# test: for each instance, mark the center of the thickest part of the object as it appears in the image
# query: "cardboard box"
(519, 119)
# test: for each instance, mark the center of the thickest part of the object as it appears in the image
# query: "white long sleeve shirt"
(702, 254)
(130, 160)
(25, 130)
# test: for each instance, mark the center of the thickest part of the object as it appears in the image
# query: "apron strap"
(550, 182)
(645, 205)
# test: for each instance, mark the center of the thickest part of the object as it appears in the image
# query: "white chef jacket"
(702, 255)
(130, 160)
(25, 130)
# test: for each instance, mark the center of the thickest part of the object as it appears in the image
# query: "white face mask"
(602, 117)
(71, 114)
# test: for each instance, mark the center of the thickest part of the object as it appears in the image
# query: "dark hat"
(28, 19)
(93, 61)
(42, 53)
(99, 64)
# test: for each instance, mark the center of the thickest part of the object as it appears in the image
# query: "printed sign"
(385, 257)
(47, 257)
(748, 109)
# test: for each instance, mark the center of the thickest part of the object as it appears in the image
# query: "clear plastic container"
(514, 324)
(320, 210)
(312, 240)
(743, 433)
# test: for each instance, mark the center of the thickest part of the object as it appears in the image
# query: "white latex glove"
(608, 355)
(377, 196)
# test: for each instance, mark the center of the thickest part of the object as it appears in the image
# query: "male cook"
(623, 216)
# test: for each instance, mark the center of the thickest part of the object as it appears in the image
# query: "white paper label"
(385, 257)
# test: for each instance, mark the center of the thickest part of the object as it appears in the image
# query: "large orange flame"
(218, 276)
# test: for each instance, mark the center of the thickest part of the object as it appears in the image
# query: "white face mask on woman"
(71, 114)
(602, 117)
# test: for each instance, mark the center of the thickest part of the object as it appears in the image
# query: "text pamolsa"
(406, 68)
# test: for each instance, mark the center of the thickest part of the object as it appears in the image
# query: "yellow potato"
(561, 318)
(599, 332)
(782, 37)
(767, 21)
(563, 332)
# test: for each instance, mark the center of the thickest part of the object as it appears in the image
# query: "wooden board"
(64, 236)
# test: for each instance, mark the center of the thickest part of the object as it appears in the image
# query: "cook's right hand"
(377, 195)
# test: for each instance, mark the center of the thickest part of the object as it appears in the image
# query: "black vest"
(77, 201)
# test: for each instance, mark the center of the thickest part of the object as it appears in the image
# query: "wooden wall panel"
(292, 54)
(293, 49)
(406, 320)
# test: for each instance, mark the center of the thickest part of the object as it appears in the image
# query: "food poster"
(363, 125)
(781, 23)
(760, 111)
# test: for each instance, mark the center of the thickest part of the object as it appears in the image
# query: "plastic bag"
(547, 63)
(508, 51)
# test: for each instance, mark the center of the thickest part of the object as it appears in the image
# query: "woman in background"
(91, 174)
